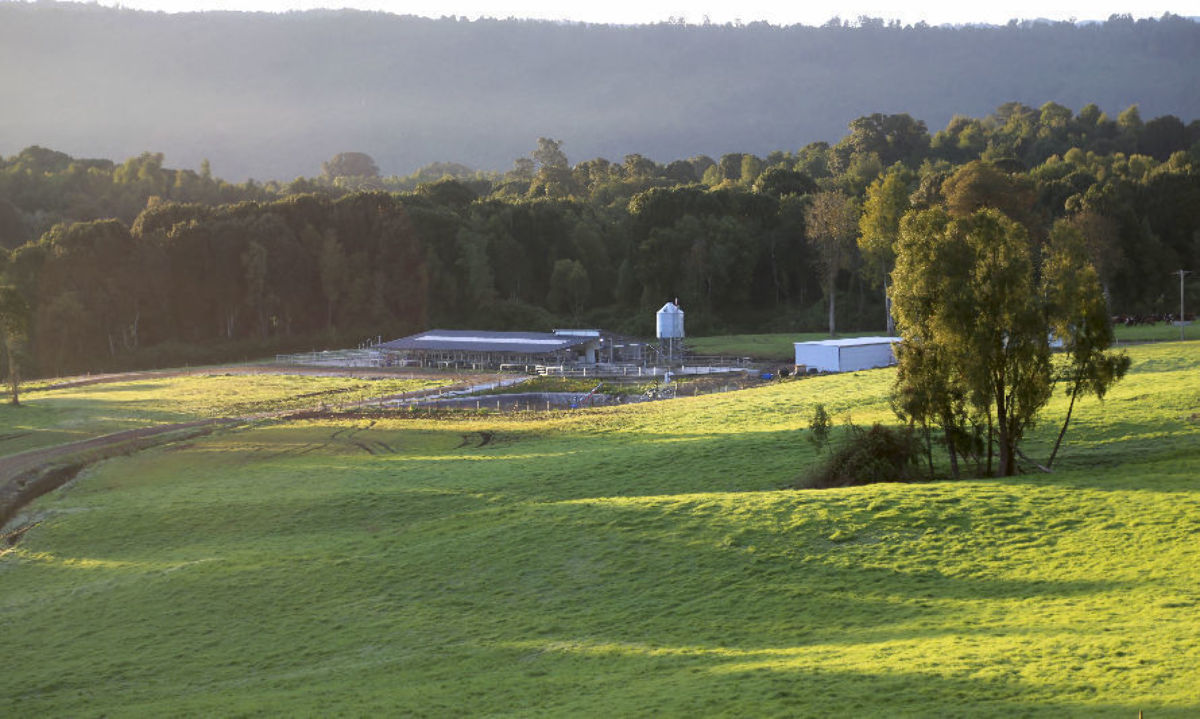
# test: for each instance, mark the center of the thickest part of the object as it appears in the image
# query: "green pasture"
(1156, 333)
(630, 561)
(55, 416)
(778, 347)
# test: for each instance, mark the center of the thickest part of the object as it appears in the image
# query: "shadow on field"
(685, 681)
(687, 584)
(673, 613)
(573, 466)
(66, 395)
(97, 410)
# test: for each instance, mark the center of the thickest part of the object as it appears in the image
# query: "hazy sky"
(780, 12)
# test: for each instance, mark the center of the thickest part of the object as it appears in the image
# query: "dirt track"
(36, 458)
(28, 475)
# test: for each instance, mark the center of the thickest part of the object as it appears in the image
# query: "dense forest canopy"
(272, 96)
(133, 263)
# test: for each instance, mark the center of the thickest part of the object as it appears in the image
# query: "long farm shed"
(846, 355)
(491, 349)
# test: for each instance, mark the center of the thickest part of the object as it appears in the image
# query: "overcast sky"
(780, 12)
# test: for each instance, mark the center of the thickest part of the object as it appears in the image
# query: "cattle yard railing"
(340, 358)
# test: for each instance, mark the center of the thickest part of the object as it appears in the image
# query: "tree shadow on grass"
(659, 680)
(667, 583)
(570, 466)
(1173, 470)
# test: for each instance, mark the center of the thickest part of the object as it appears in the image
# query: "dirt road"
(28, 475)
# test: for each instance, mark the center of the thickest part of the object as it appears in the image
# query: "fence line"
(607, 370)
(375, 358)
(338, 358)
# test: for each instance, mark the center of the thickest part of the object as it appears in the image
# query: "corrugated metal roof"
(853, 341)
(477, 341)
(578, 333)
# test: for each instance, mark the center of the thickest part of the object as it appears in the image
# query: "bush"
(867, 456)
(820, 427)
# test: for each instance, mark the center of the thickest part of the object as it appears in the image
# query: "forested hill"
(271, 96)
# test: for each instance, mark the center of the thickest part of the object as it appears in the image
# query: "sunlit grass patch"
(62, 415)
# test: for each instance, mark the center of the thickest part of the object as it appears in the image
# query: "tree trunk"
(949, 433)
(991, 438)
(1008, 451)
(775, 278)
(1067, 421)
(887, 311)
(862, 295)
(14, 376)
(133, 327)
(928, 447)
(1007, 461)
(832, 309)
(832, 303)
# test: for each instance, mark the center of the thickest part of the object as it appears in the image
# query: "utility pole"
(1182, 323)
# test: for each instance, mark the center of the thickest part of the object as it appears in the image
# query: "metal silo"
(669, 330)
(670, 322)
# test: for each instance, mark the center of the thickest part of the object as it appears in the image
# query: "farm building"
(846, 355)
(478, 349)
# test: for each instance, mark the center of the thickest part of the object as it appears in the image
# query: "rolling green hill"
(635, 560)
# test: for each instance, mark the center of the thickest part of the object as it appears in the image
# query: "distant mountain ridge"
(271, 96)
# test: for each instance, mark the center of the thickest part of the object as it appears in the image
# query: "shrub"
(820, 427)
(866, 456)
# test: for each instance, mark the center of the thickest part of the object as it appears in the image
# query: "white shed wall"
(846, 355)
(819, 356)
(865, 357)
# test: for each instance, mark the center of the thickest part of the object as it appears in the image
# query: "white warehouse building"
(846, 355)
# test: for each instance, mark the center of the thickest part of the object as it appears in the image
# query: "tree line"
(134, 264)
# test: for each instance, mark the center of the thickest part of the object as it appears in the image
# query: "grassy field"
(641, 560)
(778, 347)
(1157, 333)
(55, 416)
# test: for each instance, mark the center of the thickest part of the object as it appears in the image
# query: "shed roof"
(853, 341)
(594, 334)
(477, 341)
